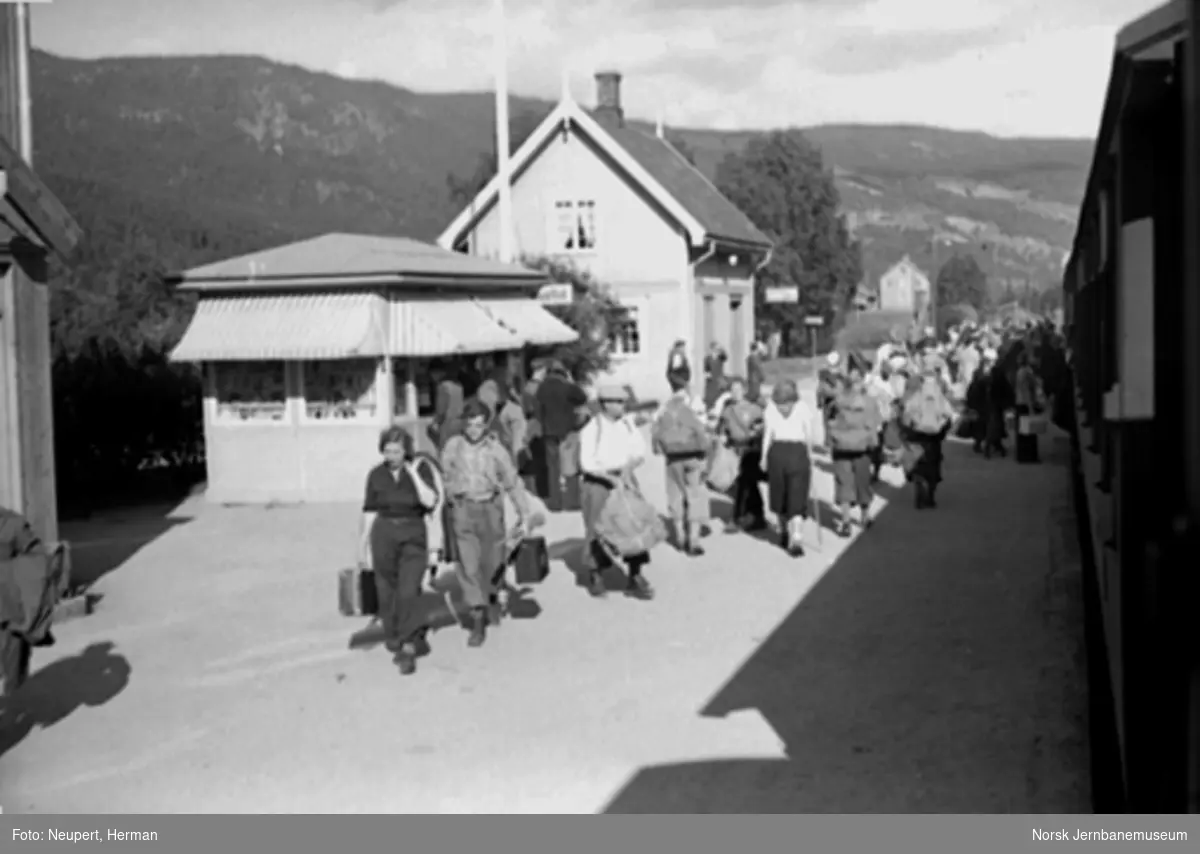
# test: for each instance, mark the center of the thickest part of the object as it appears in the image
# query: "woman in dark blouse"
(394, 542)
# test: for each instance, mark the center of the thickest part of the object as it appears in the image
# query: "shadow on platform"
(86, 680)
(906, 680)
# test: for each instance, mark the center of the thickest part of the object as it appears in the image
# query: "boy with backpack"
(854, 433)
(926, 418)
(680, 436)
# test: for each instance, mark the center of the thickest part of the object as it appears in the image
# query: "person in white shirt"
(611, 448)
(787, 435)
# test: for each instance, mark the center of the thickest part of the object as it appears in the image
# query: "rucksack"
(854, 425)
(927, 409)
(679, 430)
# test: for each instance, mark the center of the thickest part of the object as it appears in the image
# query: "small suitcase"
(531, 561)
(357, 595)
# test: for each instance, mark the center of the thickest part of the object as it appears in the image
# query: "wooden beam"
(37, 205)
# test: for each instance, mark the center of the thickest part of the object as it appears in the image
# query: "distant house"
(905, 287)
(626, 206)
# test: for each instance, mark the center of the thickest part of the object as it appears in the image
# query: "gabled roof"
(678, 186)
(350, 260)
(29, 209)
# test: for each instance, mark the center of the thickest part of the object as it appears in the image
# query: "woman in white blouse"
(787, 435)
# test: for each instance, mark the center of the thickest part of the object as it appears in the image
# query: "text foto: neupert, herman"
(110, 835)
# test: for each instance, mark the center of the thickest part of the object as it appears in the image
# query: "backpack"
(927, 410)
(854, 426)
(679, 430)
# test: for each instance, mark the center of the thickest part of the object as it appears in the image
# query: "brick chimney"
(608, 99)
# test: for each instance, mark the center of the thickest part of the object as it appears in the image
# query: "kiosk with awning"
(308, 350)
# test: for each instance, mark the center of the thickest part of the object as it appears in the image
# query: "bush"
(869, 330)
(127, 426)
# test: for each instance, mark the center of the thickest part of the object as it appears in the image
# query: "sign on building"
(789, 293)
(556, 294)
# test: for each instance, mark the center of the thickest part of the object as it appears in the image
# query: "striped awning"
(290, 326)
(444, 327)
(530, 321)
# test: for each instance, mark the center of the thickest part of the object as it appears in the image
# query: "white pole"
(24, 104)
(504, 203)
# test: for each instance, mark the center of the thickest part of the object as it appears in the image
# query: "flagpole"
(504, 202)
(24, 102)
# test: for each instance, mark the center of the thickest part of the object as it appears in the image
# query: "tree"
(463, 190)
(961, 282)
(780, 181)
(594, 313)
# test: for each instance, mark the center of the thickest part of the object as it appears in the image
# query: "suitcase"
(531, 561)
(357, 595)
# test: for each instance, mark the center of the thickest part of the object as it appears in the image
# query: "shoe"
(421, 645)
(639, 588)
(693, 550)
(406, 660)
(596, 586)
(757, 525)
(495, 612)
(843, 530)
(795, 550)
(479, 623)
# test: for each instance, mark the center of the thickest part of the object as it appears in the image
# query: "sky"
(1007, 67)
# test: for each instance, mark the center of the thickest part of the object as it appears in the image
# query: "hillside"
(181, 160)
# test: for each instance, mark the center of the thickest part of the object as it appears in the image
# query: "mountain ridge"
(271, 151)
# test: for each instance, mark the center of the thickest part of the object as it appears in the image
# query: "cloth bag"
(723, 469)
(628, 524)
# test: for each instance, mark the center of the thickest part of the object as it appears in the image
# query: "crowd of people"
(506, 454)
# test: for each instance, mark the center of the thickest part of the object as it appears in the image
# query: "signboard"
(814, 320)
(782, 294)
(556, 294)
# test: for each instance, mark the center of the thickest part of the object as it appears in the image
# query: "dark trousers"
(552, 466)
(1027, 444)
(747, 496)
(400, 558)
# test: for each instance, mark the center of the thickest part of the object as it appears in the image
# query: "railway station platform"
(932, 664)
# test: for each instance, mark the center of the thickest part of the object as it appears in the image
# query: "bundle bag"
(628, 524)
(927, 410)
(679, 430)
(854, 426)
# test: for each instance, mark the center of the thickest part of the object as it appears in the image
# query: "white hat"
(834, 359)
(990, 355)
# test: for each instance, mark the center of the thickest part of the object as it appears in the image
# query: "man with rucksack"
(680, 436)
(927, 415)
(854, 433)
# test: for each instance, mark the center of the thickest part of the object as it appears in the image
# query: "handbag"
(723, 469)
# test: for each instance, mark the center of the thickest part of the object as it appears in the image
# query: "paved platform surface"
(932, 664)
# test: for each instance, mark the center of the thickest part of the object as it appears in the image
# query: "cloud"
(868, 52)
(1006, 66)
